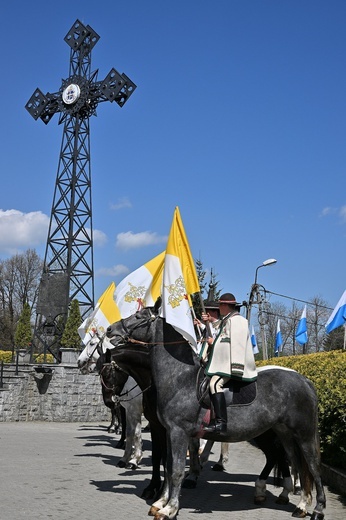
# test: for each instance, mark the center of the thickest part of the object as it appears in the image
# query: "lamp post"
(255, 291)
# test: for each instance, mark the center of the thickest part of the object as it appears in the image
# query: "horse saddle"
(236, 392)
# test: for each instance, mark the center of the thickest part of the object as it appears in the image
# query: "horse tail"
(305, 475)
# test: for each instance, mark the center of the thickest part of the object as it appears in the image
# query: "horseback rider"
(231, 357)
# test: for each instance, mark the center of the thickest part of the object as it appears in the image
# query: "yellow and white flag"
(141, 288)
(179, 281)
(105, 313)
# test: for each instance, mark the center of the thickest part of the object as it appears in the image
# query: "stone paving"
(66, 471)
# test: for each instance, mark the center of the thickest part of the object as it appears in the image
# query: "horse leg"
(158, 455)
(190, 481)
(121, 442)
(205, 453)
(276, 458)
(115, 421)
(133, 446)
(223, 459)
(177, 443)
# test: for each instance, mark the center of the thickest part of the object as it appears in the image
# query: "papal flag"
(179, 282)
(141, 288)
(302, 333)
(278, 340)
(105, 313)
(338, 316)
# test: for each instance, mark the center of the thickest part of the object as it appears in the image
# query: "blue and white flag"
(301, 332)
(338, 316)
(254, 342)
(278, 340)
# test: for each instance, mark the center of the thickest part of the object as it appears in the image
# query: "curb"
(334, 478)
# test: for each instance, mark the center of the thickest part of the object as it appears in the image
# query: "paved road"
(67, 471)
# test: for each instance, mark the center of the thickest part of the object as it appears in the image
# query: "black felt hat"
(229, 298)
(211, 304)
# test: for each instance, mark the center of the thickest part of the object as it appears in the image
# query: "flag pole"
(207, 324)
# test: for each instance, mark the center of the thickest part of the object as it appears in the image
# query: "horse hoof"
(131, 466)
(218, 467)
(189, 484)
(159, 516)
(282, 500)
(152, 511)
(316, 515)
(121, 464)
(259, 500)
(299, 513)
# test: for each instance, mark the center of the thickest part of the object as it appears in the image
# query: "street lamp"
(255, 291)
(270, 261)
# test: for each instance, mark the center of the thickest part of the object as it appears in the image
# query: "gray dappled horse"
(286, 402)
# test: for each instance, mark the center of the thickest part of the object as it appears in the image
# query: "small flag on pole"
(254, 342)
(338, 316)
(278, 340)
(302, 333)
(179, 282)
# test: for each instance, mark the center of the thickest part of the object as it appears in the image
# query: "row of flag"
(171, 274)
(336, 319)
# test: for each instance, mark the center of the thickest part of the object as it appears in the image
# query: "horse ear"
(158, 304)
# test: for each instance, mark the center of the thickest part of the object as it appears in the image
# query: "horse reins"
(115, 366)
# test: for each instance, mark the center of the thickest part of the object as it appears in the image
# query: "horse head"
(136, 328)
(89, 356)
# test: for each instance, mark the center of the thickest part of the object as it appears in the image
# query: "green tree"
(70, 337)
(206, 289)
(23, 334)
(334, 340)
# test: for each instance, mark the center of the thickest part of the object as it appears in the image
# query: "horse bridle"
(126, 338)
(89, 356)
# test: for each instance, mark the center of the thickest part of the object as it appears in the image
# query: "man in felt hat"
(231, 357)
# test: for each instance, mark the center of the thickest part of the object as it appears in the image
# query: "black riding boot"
(219, 403)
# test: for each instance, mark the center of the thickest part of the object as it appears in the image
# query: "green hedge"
(6, 357)
(327, 370)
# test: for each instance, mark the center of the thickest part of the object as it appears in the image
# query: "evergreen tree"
(205, 287)
(70, 337)
(23, 334)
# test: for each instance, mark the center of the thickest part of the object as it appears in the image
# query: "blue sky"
(239, 118)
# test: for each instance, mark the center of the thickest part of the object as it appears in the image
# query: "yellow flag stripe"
(178, 246)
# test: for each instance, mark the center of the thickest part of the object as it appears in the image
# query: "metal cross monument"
(68, 272)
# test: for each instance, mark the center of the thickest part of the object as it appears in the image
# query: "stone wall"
(53, 393)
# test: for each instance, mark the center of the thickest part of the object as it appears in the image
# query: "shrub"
(6, 357)
(327, 371)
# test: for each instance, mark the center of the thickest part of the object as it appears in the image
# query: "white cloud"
(122, 203)
(113, 271)
(326, 211)
(99, 238)
(20, 230)
(342, 213)
(130, 240)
